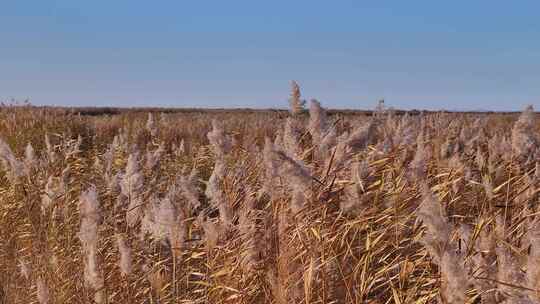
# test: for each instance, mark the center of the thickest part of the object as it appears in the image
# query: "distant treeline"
(95, 111)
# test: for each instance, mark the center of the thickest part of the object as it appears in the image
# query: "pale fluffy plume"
(524, 141)
(92, 275)
(532, 237)
(108, 157)
(30, 160)
(291, 138)
(418, 165)
(165, 118)
(249, 234)
(270, 167)
(214, 191)
(212, 231)
(500, 147)
(328, 141)
(509, 270)
(347, 144)
(447, 148)
(294, 172)
(153, 157)
(296, 104)
(120, 141)
(171, 225)
(54, 261)
(164, 221)
(182, 147)
(151, 125)
(437, 238)
(131, 187)
(54, 189)
(483, 261)
(51, 155)
(404, 134)
(42, 291)
(361, 137)
(341, 153)
(323, 136)
(355, 197)
(125, 262)
(480, 159)
(112, 181)
(488, 186)
(149, 223)
(433, 216)
(317, 121)
(179, 150)
(189, 189)
(13, 167)
(90, 213)
(454, 278)
(221, 143)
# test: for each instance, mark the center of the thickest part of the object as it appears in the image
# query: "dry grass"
(264, 207)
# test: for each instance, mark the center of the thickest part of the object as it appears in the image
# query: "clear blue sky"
(415, 54)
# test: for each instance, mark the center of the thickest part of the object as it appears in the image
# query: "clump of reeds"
(268, 207)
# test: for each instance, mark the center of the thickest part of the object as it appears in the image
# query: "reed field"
(305, 206)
